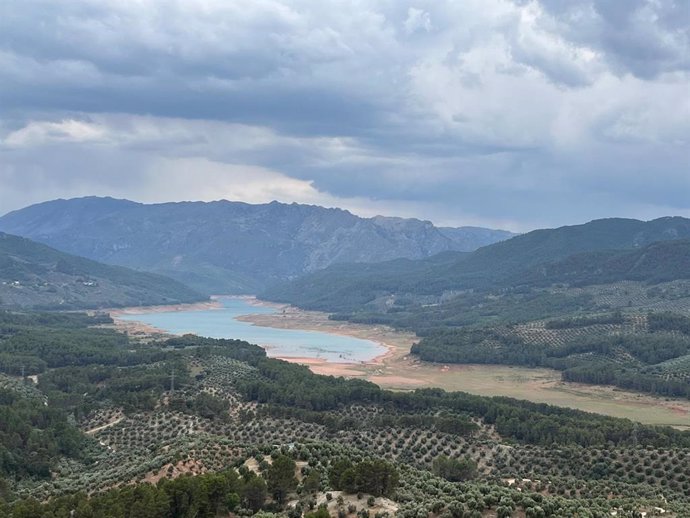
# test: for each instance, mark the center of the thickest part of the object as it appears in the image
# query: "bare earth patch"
(196, 306)
(183, 467)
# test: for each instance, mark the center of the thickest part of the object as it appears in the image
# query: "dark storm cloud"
(302, 110)
(523, 113)
(252, 63)
(642, 37)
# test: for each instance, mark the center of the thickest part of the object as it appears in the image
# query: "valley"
(316, 259)
(396, 369)
(514, 381)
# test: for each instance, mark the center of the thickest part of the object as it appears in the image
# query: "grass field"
(538, 385)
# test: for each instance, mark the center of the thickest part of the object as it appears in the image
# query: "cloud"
(521, 113)
(641, 37)
(44, 132)
(417, 20)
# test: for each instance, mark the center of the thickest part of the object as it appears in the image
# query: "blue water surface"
(283, 343)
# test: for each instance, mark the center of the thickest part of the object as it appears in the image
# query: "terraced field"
(667, 296)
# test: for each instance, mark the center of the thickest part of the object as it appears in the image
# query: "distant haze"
(495, 113)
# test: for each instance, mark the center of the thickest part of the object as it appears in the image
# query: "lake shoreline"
(396, 369)
(317, 343)
(212, 303)
(396, 343)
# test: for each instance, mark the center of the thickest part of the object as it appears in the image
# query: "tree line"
(590, 358)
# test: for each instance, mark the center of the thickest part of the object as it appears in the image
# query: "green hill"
(33, 275)
(501, 260)
(576, 254)
(344, 287)
(104, 433)
(659, 262)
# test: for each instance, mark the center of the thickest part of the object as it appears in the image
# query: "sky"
(501, 113)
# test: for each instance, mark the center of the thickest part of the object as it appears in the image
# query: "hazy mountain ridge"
(33, 275)
(231, 246)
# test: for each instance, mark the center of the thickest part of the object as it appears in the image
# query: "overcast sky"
(511, 114)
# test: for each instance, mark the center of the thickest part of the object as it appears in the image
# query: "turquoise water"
(284, 343)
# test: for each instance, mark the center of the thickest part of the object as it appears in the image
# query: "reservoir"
(222, 322)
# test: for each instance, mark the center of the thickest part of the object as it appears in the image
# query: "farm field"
(224, 412)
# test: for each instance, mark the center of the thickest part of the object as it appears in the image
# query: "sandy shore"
(213, 303)
(396, 343)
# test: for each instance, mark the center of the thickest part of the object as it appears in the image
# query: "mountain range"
(600, 251)
(232, 247)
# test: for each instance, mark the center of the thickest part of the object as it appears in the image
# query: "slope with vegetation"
(602, 251)
(613, 350)
(33, 275)
(240, 433)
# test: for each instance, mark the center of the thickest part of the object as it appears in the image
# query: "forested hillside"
(643, 353)
(33, 275)
(598, 252)
(655, 263)
(201, 427)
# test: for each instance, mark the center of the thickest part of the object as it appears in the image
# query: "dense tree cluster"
(33, 436)
(488, 345)
(293, 385)
(631, 379)
(668, 321)
(9, 320)
(376, 477)
(204, 496)
(81, 389)
(203, 404)
(590, 358)
(280, 477)
(454, 470)
(31, 343)
(237, 349)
